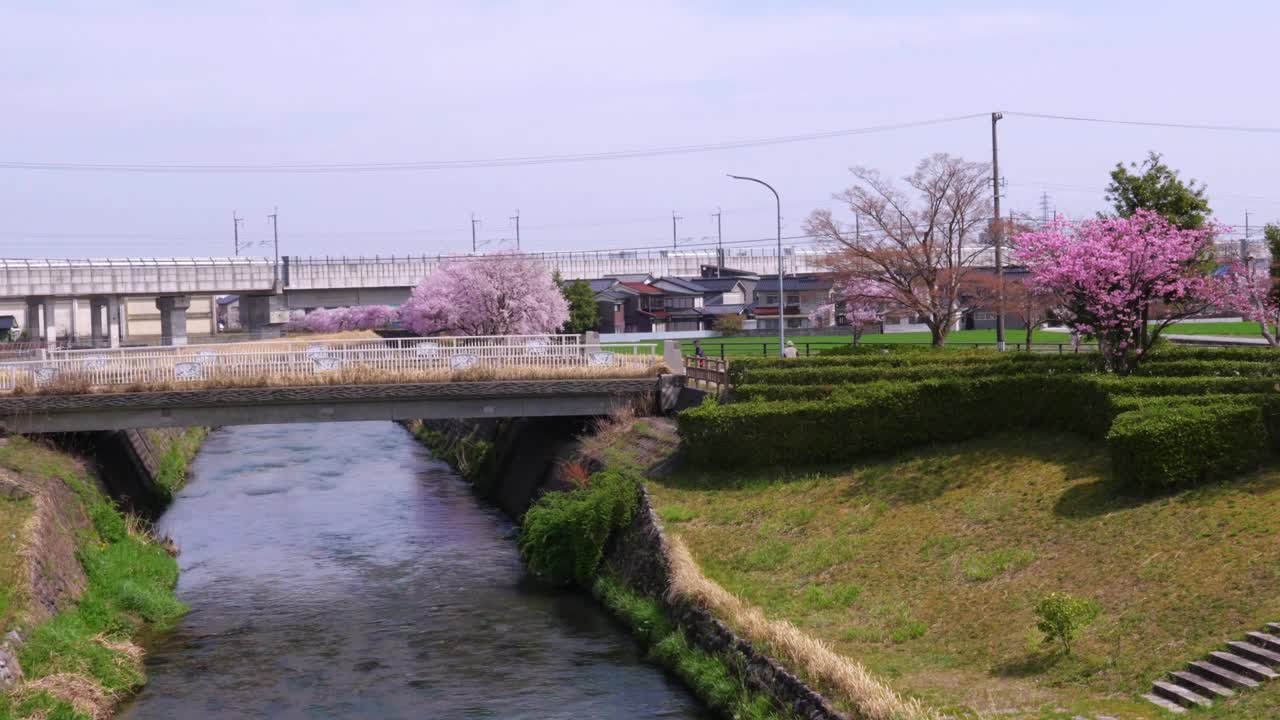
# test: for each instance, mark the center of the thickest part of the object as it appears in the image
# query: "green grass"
(130, 586)
(175, 459)
(926, 568)
(715, 681)
(1247, 329)
(13, 518)
(760, 346)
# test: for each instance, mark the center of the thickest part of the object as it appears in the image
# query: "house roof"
(642, 288)
(634, 277)
(8, 322)
(796, 282)
(601, 284)
(718, 285)
(681, 285)
(228, 299)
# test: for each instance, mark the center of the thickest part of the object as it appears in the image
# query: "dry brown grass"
(848, 682)
(81, 692)
(80, 385)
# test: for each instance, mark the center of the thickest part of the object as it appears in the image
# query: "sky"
(239, 83)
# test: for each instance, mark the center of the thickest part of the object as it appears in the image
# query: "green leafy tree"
(584, 314)
(1153, 185)
(1062, 617)
(729, 325)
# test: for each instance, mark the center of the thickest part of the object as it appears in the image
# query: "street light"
(782, 295)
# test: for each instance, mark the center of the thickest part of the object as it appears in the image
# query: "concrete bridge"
(270, 289)
(330, 403)
(282, 381)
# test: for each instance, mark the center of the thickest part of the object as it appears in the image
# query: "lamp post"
(782, 295)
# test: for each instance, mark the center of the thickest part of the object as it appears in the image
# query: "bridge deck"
(250, 406)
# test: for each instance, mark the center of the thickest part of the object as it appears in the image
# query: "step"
(1264, 640)
(1273, 627)
(1254, 653)
(1161, 702)
(1179, 694)
(1199, 685)
(1221, 675)
(1243, 666)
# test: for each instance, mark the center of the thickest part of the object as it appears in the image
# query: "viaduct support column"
(113, 321)
(74, 326)
(173, 319)
(34, 324)
(255, 315)
(97, 309)
(48, 311)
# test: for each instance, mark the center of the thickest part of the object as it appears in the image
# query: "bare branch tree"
(912, 252)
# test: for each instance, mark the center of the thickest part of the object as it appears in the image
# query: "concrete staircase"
(1242, 665)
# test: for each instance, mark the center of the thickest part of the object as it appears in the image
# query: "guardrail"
(278, 363)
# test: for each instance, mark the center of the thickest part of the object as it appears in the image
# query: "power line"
(1150, 123)
(426, 165)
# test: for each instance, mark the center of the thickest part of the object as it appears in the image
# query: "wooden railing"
(707, 369)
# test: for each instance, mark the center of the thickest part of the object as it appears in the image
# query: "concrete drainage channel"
(1243, 665)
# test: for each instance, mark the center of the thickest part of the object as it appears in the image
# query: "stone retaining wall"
(639, 557)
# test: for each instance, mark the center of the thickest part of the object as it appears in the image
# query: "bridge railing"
(400, 360)
(303, 344)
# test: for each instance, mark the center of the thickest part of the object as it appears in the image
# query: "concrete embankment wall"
(512, 462)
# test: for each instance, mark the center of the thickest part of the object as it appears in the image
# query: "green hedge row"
(844, 374)
(741, 369)
(1235, 421)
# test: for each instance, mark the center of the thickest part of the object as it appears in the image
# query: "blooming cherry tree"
(499, 294)
(864, 305)
(1248, 290)
(1111, 275)
(360, 317)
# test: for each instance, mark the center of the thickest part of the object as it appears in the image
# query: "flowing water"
(338, 571)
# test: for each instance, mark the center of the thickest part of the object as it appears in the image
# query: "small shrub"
(564, 533)
(1063, 617)
(729, 325)
(908, 630)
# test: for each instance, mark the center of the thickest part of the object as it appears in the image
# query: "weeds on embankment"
(82, 662)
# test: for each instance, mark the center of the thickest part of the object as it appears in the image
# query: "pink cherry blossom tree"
(1113, 276)
(1248, 290)
(361, 317)
(499, 294)
(863, 302)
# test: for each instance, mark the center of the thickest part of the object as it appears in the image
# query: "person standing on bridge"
(698, 352)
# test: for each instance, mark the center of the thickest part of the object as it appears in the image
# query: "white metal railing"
(279, 363)
(302, 344)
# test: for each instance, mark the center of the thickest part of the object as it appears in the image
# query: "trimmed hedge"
(841, 374)
(1161, 445)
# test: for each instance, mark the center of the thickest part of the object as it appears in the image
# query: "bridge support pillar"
(73, 327)
(673, 356)
(173, 318)
(35, 323)
(115, 310)
(255, 315)
(97, 309)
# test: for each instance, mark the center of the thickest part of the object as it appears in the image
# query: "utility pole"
(1244, 242)
(275, 239)
(996, 230)
(674, 218)
(474, 222)
(236, 224)
(719, 244)
(515, 217)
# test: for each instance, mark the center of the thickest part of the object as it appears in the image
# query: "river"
(339, 571)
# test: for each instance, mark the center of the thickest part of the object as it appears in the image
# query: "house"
(727, 295)
(643, 303)
(683, 301)
(800, 295)
(229, 312)
(9, 329)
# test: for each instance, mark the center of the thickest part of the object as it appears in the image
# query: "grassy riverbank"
(926, 568)
(179, 449)
(81, 662)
